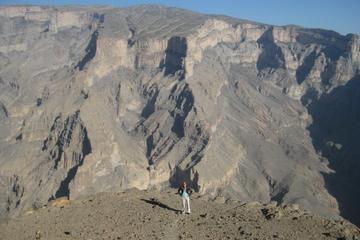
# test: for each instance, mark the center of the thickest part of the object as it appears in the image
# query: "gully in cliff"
(185, 193)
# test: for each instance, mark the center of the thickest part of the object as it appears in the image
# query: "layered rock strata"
(105, 99)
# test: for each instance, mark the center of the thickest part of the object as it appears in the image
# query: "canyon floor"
(152, 214)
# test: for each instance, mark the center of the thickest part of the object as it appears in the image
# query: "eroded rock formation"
(105, 99)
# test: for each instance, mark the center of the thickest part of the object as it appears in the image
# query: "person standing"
(185, 193)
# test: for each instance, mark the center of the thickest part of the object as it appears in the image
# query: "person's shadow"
(155, 202)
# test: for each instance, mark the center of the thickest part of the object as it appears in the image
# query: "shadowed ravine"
(335, 132)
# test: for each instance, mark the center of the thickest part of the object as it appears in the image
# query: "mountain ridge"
(149, 96)
(85, 6)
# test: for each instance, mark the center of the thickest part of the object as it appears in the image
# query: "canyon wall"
(106, 99)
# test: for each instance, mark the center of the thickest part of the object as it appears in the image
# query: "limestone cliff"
(105, 99)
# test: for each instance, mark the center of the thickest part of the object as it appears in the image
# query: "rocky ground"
(155, 215)
(102, 99)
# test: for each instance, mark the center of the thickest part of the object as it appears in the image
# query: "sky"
(342, 16)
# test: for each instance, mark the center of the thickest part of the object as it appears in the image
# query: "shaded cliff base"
(155, 215)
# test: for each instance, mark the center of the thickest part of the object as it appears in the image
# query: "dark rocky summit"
(97, 99)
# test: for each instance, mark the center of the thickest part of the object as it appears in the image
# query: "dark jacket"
(181, 190)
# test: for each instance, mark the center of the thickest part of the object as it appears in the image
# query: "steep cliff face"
(104, 99)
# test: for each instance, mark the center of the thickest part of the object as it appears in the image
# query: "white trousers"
(186, 201)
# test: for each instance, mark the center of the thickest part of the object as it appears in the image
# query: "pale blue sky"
(340, 15)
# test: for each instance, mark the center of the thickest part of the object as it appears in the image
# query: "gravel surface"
(156, 215)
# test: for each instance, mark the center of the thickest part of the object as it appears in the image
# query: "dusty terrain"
(153, 215)
(102, 99)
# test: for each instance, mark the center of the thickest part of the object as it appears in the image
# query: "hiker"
(185, 193)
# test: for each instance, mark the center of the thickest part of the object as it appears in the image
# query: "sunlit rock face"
(106, 99)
